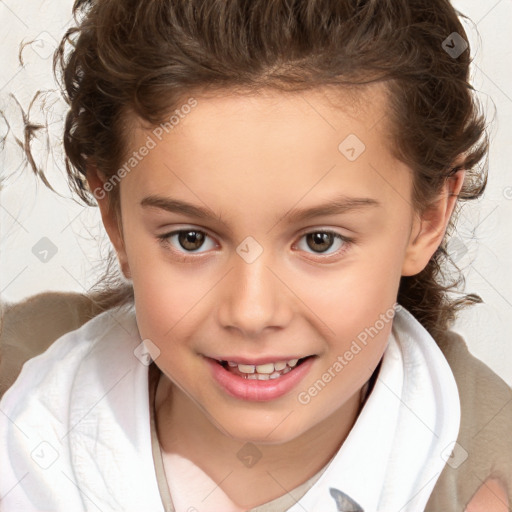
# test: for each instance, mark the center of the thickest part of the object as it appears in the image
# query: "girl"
(278, 180)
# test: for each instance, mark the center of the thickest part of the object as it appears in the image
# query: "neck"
(186, 434)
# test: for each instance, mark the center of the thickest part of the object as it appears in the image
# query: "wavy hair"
(143, 57)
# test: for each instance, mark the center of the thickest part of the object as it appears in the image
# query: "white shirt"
(75, 431)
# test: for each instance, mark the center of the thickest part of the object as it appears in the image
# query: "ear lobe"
(428, 230)
(113, 225)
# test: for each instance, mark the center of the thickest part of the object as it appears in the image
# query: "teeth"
(264, 371)
(246, 368)
(265, 368)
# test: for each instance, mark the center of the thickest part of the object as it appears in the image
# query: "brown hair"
(143, 57)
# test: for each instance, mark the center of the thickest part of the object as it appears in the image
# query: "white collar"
(392, 457)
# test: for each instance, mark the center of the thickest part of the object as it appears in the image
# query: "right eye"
(184, 241)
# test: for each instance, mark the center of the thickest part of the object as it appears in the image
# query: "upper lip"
(257, 360)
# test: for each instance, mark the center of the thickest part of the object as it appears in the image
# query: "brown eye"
(191, 240)
(319, 241)
(186, 241)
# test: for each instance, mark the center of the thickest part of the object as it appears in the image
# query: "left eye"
(319, 241)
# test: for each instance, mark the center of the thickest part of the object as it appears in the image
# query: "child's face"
(255, 288)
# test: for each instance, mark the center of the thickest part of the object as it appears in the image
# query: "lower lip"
(258, 390)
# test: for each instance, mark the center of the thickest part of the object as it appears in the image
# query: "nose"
(254, 299)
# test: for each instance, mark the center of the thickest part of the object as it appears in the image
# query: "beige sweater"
(29, 327)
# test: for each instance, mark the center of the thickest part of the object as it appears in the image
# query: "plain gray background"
(30, 214)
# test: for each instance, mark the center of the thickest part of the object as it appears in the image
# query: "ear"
(428, 229)
(111, 220)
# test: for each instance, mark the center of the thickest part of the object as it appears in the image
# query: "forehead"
(334, 107)
(366, 103)
(271, 143)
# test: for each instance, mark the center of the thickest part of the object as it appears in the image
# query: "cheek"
(355, 310)
(161, 310)
(340, 379)
(165, 292)
(172, 305)
(353, 297)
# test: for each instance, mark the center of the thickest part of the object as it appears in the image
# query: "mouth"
(265, 371)
(262, 379)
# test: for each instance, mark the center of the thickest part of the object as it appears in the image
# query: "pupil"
(190, 239)
(320, 239)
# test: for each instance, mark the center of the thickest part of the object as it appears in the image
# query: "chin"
(266, 433)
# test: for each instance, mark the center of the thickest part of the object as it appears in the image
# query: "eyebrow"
(336, 206)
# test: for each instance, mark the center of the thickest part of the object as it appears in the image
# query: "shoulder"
(56, 366)
(481, 390)
(70, 409)
(29, 327)
(46, 380)
(52, 312)
(483, 449)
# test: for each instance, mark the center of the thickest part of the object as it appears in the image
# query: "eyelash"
(181, 256)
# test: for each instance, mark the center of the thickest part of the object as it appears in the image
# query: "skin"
(491, 496)
(254, 160)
